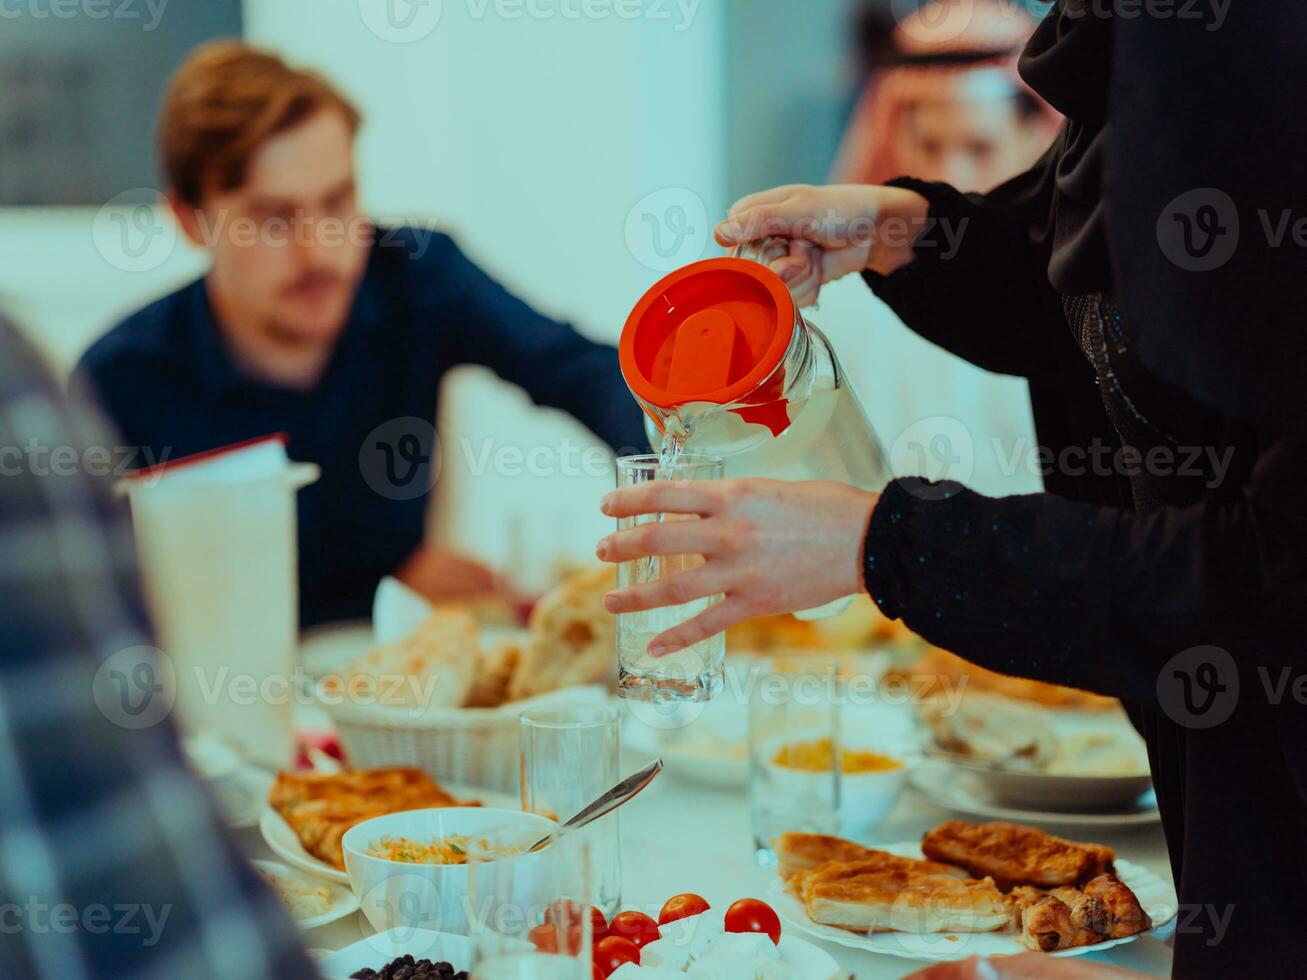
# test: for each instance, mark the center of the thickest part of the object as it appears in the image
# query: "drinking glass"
(794, 749)
(570, 757)
(529, 914)
(695, 673)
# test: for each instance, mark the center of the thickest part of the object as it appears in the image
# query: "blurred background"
(577, 150)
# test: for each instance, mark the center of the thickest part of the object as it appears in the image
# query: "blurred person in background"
(1134, 276)
(945, 101)
(942, 101)
(314, 322)
(112, 862)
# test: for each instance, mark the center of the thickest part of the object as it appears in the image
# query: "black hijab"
(1184, 153)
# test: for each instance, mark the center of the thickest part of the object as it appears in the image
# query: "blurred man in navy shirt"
(316, 323)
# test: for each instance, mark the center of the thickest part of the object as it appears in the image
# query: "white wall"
(66, 280)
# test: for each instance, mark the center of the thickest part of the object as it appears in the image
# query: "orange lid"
(713, 331)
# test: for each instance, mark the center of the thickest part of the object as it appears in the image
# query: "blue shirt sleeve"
(551, 361)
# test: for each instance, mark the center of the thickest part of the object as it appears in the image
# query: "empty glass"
(794, 749)
(695, 673)
(570, 757)
(530, 914)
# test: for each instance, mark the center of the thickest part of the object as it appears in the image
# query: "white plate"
(343, 901)
(810, 962)
(697, 934)
(1155, 894)
(1049, 791)
(376, 951)
(946, 786)
(286, 845)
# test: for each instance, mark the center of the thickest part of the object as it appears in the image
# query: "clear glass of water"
(530, 914)
(686, 676)
(571, 755)
(795, 753)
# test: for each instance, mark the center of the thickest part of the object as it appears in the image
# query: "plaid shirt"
(112, 863)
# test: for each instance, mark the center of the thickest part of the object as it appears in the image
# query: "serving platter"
(1035, 790)
(962, 791)
(1155, 894)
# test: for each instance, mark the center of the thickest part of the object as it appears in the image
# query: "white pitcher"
(217, 540)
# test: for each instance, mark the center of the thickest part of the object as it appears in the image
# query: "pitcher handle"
(763, 251)
(299, 475)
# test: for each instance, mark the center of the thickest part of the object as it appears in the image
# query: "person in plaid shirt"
(112, 863)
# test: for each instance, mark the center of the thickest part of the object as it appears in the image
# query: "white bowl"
(866, 798)
(428, 896)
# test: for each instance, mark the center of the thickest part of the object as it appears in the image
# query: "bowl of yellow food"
(870, 781)
(411, 868)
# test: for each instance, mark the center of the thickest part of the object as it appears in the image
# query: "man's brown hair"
(223, 103)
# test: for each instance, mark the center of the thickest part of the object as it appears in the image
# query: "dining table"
(682, 835)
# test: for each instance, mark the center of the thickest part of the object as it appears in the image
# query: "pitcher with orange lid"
(724, 364)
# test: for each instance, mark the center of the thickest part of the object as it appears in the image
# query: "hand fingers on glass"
(664, 538)
(710, 622)
(661, 497)
(698, 583)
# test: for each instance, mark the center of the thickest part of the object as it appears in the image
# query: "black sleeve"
(1096, 597)
(1205, 170)
(979, 287)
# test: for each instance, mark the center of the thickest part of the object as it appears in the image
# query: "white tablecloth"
(678, 837)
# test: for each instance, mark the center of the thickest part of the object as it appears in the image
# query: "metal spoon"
(610, 801)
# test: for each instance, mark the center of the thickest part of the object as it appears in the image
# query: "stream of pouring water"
(676, 433)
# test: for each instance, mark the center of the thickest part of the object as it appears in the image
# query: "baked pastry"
(320, 807)
(1125, 915)
(434, 666)
(1015, 855)
(1105, 908)
(902, 895)
(797, 852)
(573, 637)
(494, 674)
(942, 664)
(768, 634)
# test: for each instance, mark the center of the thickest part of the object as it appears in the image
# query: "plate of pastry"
(1030, 745)
(968, 889)
(310, 900)
(308, 812)
(973, 795)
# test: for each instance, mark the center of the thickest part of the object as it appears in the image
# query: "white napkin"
(396, 611)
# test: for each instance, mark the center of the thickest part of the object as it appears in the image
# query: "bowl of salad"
(410, 869)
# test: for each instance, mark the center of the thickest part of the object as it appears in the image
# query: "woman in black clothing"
(1145, 278)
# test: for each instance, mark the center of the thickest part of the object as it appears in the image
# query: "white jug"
(217, 540)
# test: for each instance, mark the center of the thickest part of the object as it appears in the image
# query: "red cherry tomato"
(598, 973)
(612, 951)
(544, 937)
(570, 913)
(682, 907)
(635, 926)
(751, 915)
